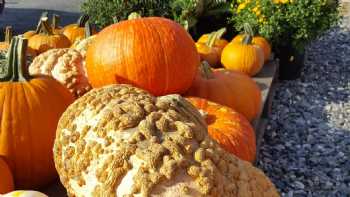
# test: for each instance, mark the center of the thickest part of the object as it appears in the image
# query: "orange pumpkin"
(229, 128)
(260, 41)
(31, 33)
(243, 56)
(6, 181)
(160, 56)
(230, 88)
(76, 31)
(257, 40)
(31, 108)
(46, 39)
(8, 36)
(210, 47)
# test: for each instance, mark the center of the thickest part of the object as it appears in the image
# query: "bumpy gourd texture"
(121, 141)
(66, 66)
(82, 45)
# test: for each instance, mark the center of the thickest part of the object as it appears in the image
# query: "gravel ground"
(306, 147)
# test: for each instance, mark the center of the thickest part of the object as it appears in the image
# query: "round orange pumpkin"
(46, 39)
(76, 31)
(229, 88)
(210, 47)
(229, 128)
(243, 56)
(260, 41)
(31, 108)
(6, 180)
(8, 36)
(152, 53)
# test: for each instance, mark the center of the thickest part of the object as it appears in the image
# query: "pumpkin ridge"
(165, 57)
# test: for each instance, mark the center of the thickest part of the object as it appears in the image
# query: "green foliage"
(286, 22)
(186, 12)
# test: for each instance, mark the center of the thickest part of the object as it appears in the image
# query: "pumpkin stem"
(45, 27)
(134, 15)
(248, 29)
(214, 36)
(88, 29)
(8, 34)
(247, 39)
(15, 70)
(82, 20)
(38, 26)
(206, 71)
(55, 21)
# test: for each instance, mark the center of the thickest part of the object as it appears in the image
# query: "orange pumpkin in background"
(6, 180)
(230, 88)
(210, 47)
(260, 41)
(31, 107)
(244, 56)
(46, 39)
(159, 57)
(229, 128)
(76, 31)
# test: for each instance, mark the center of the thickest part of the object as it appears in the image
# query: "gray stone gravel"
(306, 147)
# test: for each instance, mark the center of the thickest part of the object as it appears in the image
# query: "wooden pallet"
(266, 80)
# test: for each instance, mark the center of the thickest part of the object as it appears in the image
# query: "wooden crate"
(266, 80)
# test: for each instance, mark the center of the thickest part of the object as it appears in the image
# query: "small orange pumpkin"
(76, 31)
(243, 56)
(230, 88)
(229, 128)
(210, 46)
(31, 33)
(46, 40)
(31, 107)
(258, 40)
(8, 36)
(6, 181)
(166, 62)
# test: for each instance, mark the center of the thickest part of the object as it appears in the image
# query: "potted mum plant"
(288, 24)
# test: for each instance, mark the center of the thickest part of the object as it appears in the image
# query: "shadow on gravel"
(26, 19)
(306, 147)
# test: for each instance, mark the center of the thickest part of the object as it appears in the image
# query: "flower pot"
(291, 62)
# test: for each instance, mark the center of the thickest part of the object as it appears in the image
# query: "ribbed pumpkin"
(229, 128)
(76, 31)
(30, 110)
(243, 56)
(46, 39)
(257, 40)
(152, 53)
(6, 180)
(230, 88)
(8, 36)
(210, 47)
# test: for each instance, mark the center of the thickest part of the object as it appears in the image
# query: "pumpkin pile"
(130, 132)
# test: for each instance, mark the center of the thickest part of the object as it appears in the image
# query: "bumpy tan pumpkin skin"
(66, 66)
(121, 141)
